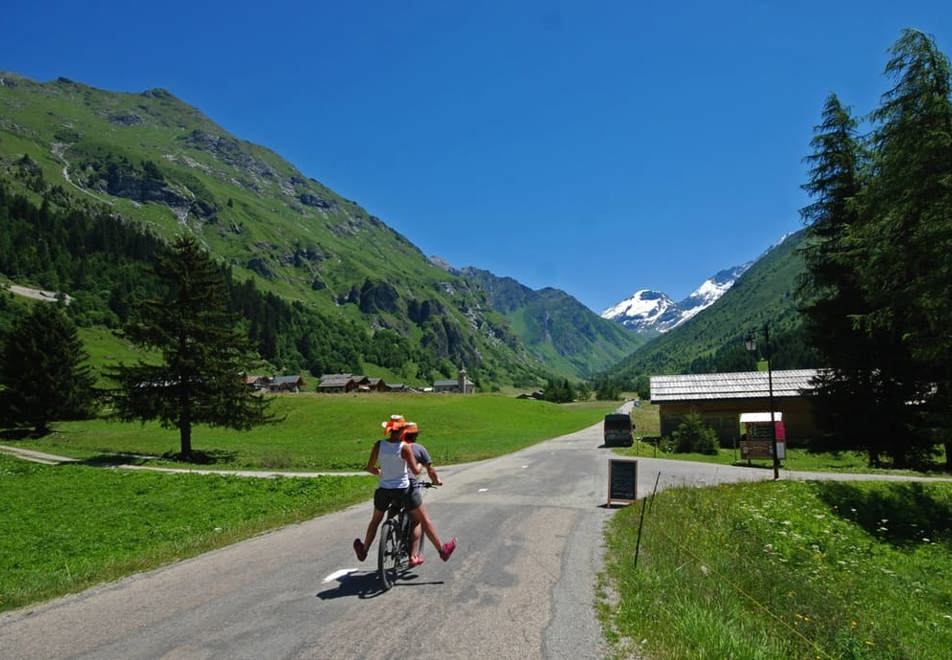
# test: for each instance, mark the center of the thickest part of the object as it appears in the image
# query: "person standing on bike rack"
(410, 433)
(392, 460)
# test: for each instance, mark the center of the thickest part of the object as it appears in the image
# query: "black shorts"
(385, 497)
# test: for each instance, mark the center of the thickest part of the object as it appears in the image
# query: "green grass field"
(71, 526)
(648, 425)
(67, 527)
(336, 432)
(783, 570)
(797, 459)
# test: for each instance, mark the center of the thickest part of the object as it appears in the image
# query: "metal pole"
(773, 423)
(641, 523)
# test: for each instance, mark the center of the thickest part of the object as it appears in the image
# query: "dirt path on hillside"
(38, 294)
(58, 149)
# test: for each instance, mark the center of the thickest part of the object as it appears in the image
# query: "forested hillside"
(556, 327)
(714, 339)
(324, 285)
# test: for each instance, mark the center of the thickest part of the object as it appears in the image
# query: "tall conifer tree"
(907, 272)
(43, 370)
(846, 394)
(204, 353)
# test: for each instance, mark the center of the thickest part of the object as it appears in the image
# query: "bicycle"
(393, 550)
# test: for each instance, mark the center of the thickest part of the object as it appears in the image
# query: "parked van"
(618, 429)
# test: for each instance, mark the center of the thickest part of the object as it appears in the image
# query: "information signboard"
(755, 449)
(622, 480)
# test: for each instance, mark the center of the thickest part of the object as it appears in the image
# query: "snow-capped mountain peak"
(647, 310)
(643, 310)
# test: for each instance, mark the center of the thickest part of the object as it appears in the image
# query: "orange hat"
(411, 429)
(395, 423)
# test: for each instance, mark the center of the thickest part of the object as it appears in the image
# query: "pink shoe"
(448, 549)
(360, 549)
(416, 561)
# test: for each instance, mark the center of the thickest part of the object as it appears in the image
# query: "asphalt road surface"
(520, 585)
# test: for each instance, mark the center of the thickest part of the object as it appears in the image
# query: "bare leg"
(422, 517)
(415, 533)
(372, 528)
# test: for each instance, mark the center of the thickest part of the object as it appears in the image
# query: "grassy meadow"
(67, 527)
(783, 570)
(648, 425)
(336, 432)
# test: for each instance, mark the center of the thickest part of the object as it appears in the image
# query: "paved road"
(519, 586)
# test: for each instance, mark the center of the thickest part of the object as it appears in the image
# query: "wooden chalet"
(375, 385)
(286, 384)
(721, 398)
(256, 383)
(338, 383)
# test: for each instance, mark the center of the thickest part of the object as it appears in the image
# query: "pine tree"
(907, 270)
(42, 370)
(204, 353)
(830, 294)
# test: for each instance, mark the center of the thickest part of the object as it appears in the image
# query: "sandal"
(416, 561)
(360, 549)
(448, 549)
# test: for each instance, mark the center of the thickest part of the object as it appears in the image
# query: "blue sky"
(596, 147)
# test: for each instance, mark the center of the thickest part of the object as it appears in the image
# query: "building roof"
(335, 380)
(738, 385)
(446, 383)
(287, 380)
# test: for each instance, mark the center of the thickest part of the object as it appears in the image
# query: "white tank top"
(393, 468)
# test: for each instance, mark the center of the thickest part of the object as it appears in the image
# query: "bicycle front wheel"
(388, 553)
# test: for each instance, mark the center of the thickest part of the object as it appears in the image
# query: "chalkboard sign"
(622, 480)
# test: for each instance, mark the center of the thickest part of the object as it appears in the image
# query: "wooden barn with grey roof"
(721, 398)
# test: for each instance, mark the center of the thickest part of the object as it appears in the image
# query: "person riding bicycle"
(410, 433)
(392, 460)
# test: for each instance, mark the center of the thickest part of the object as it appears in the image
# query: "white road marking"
(524, 467)
(483, 490)
(339, 574)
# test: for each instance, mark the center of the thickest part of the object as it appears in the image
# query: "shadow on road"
(367, 585)
(113, 460)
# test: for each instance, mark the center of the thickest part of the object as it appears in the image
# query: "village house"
(256, 383)
(721, 398)
(374, 385)
(343, 383)
(286, 384)
(337, 383)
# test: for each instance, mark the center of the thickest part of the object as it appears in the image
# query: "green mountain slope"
(556, 327)
(154, 159)
(714, 339)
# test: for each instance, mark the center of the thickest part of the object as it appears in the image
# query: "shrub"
(693, 435)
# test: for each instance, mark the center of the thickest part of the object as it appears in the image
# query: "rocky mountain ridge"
(154, 160)
(554, 326)
(650, 312)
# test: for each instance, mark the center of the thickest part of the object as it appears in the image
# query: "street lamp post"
(751, 343)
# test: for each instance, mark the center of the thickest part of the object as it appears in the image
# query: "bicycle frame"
(393, 550)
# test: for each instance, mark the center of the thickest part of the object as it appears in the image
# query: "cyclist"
(392, 460)
(410, 433)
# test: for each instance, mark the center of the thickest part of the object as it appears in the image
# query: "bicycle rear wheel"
(388, 553)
